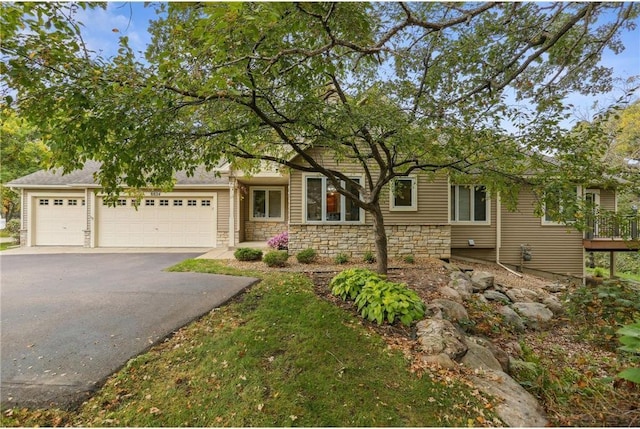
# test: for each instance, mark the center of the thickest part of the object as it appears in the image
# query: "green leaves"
(630, 338)
(376, 299)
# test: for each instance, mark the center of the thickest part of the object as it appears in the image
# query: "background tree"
(474, 90)
(21, 152)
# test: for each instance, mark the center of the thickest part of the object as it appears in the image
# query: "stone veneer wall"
(262, 231)
(354, 240)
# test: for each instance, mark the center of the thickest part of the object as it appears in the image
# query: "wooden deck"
(613, 233)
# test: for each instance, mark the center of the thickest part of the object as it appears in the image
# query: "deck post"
(612, 264)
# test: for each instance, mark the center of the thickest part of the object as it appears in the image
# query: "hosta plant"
(349, 283)
(630, 338)
(384, 300)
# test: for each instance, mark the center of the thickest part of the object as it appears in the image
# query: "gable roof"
(85, 178)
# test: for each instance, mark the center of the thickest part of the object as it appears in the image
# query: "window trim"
(453, 195)
(414, 194)
(267, 189)
(323, 221)
(543, 218)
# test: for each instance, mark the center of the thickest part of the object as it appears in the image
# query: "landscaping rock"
(534, 313)
(480, 357)
(441, 359)
(512, 318)
(450, 293)
(451, 310)
(499, 354)
(494, 295)
(522, 295)
(555, 287)
(462, 285)
(481, 280)
(517, 407)
(554, 305)
(440, 336)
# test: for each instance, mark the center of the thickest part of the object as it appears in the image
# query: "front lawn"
(278, 355)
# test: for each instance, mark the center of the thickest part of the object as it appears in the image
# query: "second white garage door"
(172, 221)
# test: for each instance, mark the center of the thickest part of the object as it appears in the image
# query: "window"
(469, 204)
(559, 206)
(43, 202)
(267, 204)
(149, 202)
(58, 202)
(323, 203)
(192, 203)
(177, 203)
(122, 202)
(164, 203)
(205, 203)
(404, 194)
(72, 202)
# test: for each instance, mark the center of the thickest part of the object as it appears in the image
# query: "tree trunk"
(380, 240)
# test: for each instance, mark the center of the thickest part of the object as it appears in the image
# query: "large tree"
(473, 89)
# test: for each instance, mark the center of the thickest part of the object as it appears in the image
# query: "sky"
(131, 19)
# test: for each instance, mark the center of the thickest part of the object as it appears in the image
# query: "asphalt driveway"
(68, 321)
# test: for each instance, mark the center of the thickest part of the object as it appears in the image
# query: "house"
(425, 216)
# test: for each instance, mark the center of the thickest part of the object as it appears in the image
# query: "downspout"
(499, 235)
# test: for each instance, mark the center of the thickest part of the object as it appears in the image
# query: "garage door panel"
(159, 222)
(59, 221)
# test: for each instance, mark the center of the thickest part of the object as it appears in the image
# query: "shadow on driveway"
(68, 321)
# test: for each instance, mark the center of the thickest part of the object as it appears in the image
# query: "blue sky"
(131, 19)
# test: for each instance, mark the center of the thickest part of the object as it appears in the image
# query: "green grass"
(621, 274)
(276, 356)
(5, 246)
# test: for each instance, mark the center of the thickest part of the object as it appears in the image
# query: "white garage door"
(59, 221)
(158, 222)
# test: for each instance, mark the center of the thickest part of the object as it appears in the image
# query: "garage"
(59, 220)
(172, 220)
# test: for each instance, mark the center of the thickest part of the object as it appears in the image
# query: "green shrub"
(603, 309)
(341, 258)
(384, 300)
(369, 257)
(247, 254)
(409, 259)
(630, 338)
(349, 283)
(376, 298)
(276, 258)
(306, 256)
(13, 228)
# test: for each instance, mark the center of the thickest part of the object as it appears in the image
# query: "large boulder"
(535, 313)
(523, 295)
(461, 283)
(553, 304)
(437, 336)
(512, 318)
(494, 295)
(480, 357)
(481, 280)
(451, 310)
(516, 407)
(450, 293)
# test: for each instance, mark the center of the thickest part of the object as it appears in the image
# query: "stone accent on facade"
(355, 240)
(87, 238)
(24, 233)
(222, 239)
(262, 231)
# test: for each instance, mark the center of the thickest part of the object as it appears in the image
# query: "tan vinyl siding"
(608, 199)
(555, 248)
(484, 236)
(223, 212)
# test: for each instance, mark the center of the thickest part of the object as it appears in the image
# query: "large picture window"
(323, 203)
(267, 204)
(404, 194)
(469, 204)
